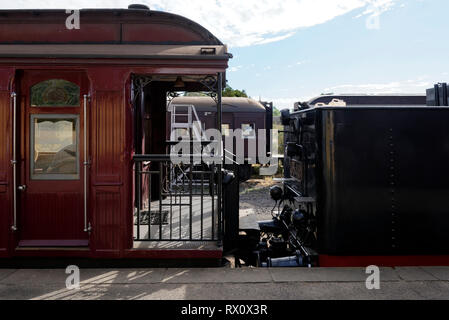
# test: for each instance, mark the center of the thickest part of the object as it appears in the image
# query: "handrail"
(14, 158)
(87, 226)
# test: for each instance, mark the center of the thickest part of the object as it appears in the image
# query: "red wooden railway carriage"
(82, 165)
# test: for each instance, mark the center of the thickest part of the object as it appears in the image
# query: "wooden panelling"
(5, 169)
(5, 164)
(102, 26)
(107, 137)
(52, 216)
(108, 154)
(107, 219)
(158, 33)
(57, 32)
(4, 221)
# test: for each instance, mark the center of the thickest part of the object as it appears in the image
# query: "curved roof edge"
(229, 104)
(131, 19)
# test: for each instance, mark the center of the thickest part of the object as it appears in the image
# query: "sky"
(292, 50)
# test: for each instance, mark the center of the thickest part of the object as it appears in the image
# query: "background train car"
(237, 113)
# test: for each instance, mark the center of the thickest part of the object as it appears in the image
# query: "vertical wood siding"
(108, 148)
(5, 168)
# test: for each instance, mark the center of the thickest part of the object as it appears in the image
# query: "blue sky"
(291, 50)
(406, 54)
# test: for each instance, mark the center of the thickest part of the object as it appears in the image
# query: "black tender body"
(379, 177)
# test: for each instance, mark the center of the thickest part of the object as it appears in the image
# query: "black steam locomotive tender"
(359, 181)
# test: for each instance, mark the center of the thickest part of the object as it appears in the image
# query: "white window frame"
(254, 130)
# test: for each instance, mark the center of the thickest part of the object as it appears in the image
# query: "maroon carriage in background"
(199, 113)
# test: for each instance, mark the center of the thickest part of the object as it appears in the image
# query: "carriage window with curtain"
(55, 93)
(54, 147)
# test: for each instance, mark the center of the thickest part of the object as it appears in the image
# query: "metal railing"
(14, 158)
(170, 204)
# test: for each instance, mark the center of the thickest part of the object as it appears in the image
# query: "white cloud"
(254, 22)
(296, 64)
(405, 86)
(276, 38)
(376, 7)
(282, 103)
(237, 23)
(234, 69)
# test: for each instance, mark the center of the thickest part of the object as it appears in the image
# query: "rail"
(169, 206)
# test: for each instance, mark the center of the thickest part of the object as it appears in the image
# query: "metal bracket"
(88, 229)
(139, 82)
(143, 81)
(211, 83)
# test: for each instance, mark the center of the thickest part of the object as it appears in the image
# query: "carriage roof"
(114, 33)
(229, 104)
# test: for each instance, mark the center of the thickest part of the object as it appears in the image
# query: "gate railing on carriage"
(170, 207)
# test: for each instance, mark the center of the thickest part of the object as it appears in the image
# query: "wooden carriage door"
(51, 185)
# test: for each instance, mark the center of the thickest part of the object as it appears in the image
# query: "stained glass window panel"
(55, 93)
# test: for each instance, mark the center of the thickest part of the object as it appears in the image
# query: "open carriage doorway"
(177, 203)
(51, 209)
